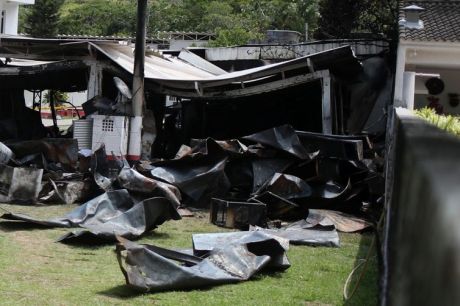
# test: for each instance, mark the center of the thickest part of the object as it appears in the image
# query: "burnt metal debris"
(150, 269)
(19, 184)
(297, 233)
(240, 215)
(114, 213)
(278, 184)
(278, 175)
(264, 149)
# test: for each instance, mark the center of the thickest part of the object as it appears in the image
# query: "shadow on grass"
(88, 244)
(120, 292)
(124, 292)
(363, 288)
(156, 235)
(12, 226)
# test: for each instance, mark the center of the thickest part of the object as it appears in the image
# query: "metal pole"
(135, 133)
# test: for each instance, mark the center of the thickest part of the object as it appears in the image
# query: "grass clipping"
(447, 123)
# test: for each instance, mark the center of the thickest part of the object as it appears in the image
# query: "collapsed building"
(329, 92)
(261, 147)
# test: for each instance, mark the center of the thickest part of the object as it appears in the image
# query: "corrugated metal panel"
(200, 62)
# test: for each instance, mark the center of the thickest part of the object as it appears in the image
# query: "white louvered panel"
(83, 133)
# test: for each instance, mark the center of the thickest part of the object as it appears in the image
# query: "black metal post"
(139, 59)
(51, 95)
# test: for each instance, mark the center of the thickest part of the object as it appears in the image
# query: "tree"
(341, 18)
(337, 18)
(380, 17)
(42, 18)
(98, 17)
(233, 21)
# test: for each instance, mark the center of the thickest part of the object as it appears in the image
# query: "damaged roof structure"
(288, 152)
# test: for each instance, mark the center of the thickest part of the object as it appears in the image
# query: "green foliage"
(233, 21)
(447, 123)
(42, 18)
(233, 37)
(98, 17)
(59, 96)
(340, 19)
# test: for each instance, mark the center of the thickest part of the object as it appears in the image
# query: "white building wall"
(12, 16)
(439, 58)
(11, 8)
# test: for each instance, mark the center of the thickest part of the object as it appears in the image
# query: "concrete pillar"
(409, 89)
(399, 77)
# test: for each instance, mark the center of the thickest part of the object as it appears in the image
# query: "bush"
(448, 123)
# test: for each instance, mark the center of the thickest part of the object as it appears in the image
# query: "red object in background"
(64, 113)
(70, 112)
(434, 104)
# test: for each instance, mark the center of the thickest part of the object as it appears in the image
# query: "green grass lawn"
(34, 270)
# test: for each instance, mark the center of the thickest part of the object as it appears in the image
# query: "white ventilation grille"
(107, 125)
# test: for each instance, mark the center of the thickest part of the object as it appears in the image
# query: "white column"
(12, 16)
(409, 89)
(399, 76)
(135, 138)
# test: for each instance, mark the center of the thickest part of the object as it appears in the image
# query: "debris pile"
(275, 175)
(127, 205)
(278, 186)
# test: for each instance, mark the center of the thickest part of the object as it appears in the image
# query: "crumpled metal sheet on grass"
(314, 236)
(110, 214)
(134, 181)
(147, 270)
(343, 222)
